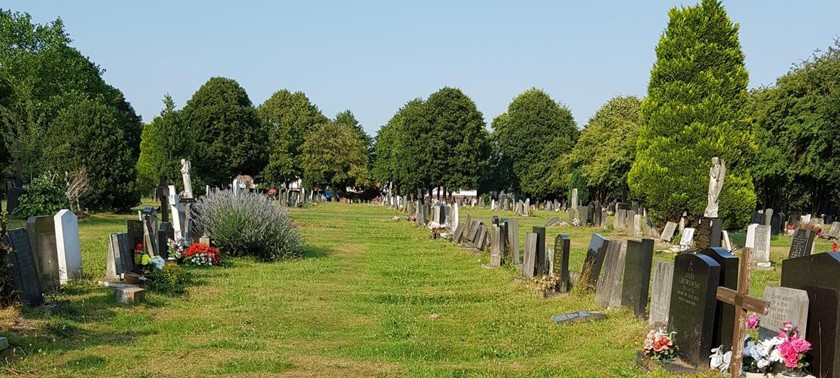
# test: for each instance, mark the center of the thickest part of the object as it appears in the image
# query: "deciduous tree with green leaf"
(334, 154)
(228, 136)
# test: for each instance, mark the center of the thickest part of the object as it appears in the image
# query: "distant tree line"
(780, 143)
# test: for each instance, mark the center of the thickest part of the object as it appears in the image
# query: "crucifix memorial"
(742, 302)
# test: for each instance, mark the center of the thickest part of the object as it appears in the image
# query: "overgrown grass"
(370, 297)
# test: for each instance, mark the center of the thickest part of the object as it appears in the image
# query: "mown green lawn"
(371, 297)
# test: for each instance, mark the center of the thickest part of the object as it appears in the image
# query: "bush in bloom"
(202, 255)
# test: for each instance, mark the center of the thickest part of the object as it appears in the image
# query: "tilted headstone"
(68, 245)
(481, 241)
(530, 255)
(726, 242)
(834, 231)
(636, 281)
(786, 305)
(25, 272)
(594, 260)
(541, 262)
(724, 313)
(668, 232)
(458, 235)
(41, 231)
(687, 237)
(562, 243)
(608, 288)
(802, 244)
(692, 310)
(660, 294)
(817, 274)
(120, 256)
(552, 222)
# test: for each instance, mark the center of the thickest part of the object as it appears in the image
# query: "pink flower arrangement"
(660, 345)
(792, 348)
(753, 321)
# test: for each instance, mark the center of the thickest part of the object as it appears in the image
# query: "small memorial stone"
(786, 305)
(668, 232)
(578, 316)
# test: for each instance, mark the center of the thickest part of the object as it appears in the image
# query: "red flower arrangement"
(202, 255)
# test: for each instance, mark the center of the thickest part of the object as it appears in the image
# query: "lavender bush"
(249, 225)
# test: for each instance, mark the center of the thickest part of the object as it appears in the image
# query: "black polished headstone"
(562, 244)
(757, 218)
(776, 223)
(23, 267)
(693, 303)
(13, 199)
(541, 262)
(725, 313)
(162, 242)
(637, 265)
(802, 244)
(162, 195)
(817, 274)
(594, 259)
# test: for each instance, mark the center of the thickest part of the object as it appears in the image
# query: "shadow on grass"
(314, 252)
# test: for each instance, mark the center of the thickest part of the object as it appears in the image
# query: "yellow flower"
(144, 260)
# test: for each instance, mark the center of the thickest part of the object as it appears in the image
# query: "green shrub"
(249, 225)
(172, 279)
(44, 196)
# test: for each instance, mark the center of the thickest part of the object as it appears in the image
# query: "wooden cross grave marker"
(743, 303)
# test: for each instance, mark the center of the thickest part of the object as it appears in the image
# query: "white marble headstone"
(68, 245)
(687, 237)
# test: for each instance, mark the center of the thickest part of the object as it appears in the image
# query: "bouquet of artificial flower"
(792, 348)
(659, 345)
(177, 247)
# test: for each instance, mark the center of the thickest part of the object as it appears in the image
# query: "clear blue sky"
(373, 56)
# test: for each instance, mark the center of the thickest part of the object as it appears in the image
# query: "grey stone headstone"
(41, 231)
(668, 232)
(458, 235)
(692, 311)
(24, 268)
(68, 245)
(120, 256)
(761, 249)
(786, 305)
(594, 260)
(608, 288)
(834, 231)
(513, 240)
(817, 274)
(495, 247)
(530, 255)
(802, 244)
(481, 241)
(572, 214)
(560, 266)
(583, 215)
(636, 281)
(620, 219)
(768, 216)
(552, 222)
(637, 225)
(660, 294)
(628, 220)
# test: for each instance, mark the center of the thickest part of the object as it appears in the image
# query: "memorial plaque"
(636, 282)
(692, 311)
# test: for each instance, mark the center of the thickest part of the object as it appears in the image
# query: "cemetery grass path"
(371, 297)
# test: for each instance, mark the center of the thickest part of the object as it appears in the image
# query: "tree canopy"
(228, 136)
(693, 112)
(534, 135)
(165, 141)
(606, 149)
(287, 117)
(334, 154)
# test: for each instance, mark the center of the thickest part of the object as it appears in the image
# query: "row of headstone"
(47, 255)
(767, 217)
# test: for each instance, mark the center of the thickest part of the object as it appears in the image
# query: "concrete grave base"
(130, 295)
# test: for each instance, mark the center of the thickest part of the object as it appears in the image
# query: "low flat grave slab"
(578, 317)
